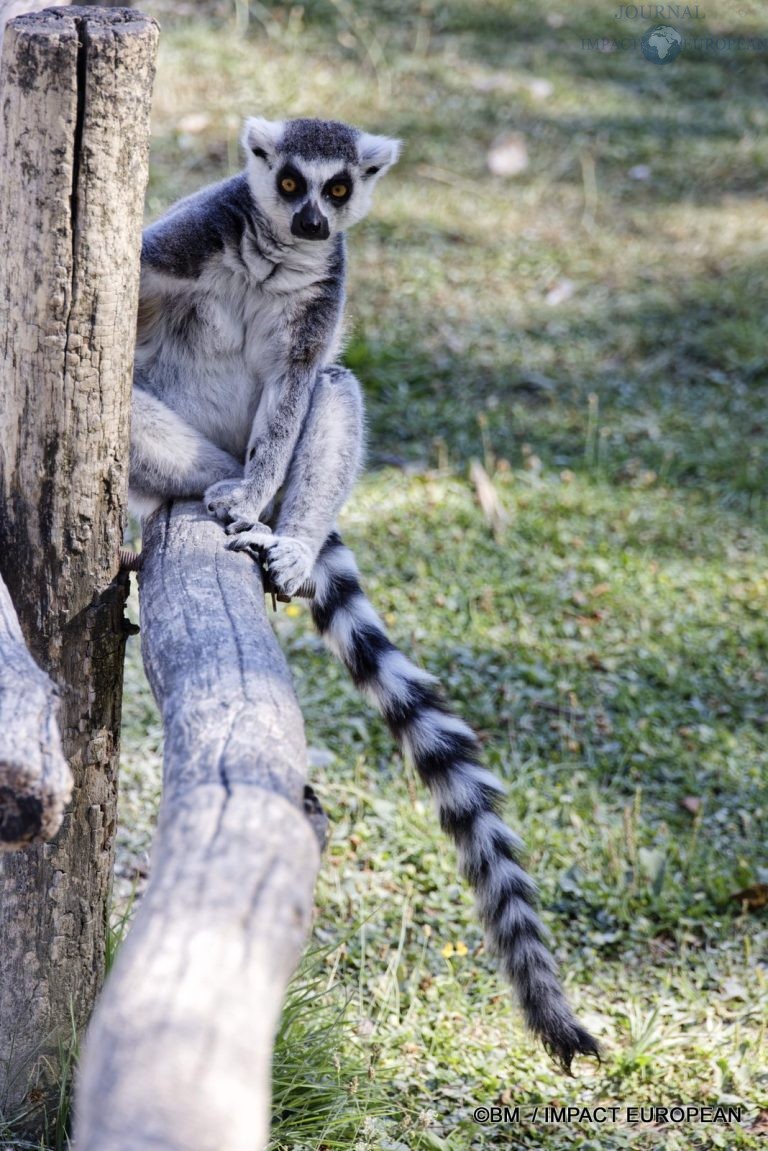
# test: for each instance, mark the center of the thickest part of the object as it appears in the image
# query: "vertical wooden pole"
(75, 89)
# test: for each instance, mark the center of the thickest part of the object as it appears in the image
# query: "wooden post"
(9, 9)
(75, 88)
(35, 780)
(178, 1055)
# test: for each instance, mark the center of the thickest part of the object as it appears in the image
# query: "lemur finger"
(238, 526)
(250, 539)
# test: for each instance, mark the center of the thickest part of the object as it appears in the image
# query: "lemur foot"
(290, 563)
(288, 560)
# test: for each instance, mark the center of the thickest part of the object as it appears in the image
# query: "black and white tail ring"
(445, 753)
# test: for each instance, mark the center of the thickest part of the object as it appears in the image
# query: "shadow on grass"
(700, 120)
(673, 385)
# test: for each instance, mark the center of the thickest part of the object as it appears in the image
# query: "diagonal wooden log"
(178, 1055)
(35, 780)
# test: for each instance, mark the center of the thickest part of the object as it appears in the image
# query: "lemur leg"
(327, 459)
(169, 458)
(323, 470)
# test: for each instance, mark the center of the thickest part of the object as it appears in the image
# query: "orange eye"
(288, 184)
(339, 191)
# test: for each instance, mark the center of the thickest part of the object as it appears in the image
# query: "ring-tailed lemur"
(237, 401)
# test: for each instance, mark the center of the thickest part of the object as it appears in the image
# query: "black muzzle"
(310, 224)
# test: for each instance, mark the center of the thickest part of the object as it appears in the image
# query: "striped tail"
(445, 753)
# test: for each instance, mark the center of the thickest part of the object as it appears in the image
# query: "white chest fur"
(218, 343)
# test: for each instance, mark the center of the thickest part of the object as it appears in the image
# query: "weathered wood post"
(9, 9)
(75, 90)
(178, 1055)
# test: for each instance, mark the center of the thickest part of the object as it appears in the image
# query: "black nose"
(310, 224)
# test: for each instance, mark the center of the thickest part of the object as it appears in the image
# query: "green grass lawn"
(593, 330)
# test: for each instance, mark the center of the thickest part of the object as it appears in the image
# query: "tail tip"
(566, 1042)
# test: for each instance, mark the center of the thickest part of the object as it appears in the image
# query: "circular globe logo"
(661, 44)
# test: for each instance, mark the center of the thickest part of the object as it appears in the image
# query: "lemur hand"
(289, 561)
(237, 502)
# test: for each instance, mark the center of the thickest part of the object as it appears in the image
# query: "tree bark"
(178, 1055)
(74, 131)
(35, 780)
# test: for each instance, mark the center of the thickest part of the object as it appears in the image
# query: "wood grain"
(75, 89)
(178, 1055)
(35, 780)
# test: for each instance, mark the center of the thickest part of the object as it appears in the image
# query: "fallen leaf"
(495, 513)
(194, 123)
(760, 1125)
(653, 861)
(560, 291)
(508, 155)
(540, 88)
(661, 948)
(752, 898)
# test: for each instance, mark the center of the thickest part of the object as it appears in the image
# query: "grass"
(52, 1119)
(594, 331)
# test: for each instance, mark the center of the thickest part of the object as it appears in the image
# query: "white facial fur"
(262, 141)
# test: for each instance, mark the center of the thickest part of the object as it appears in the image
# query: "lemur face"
(314, 178)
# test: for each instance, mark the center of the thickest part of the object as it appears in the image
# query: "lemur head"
(314, 178)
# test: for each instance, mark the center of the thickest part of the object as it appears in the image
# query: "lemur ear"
(260, 137)
(377, 153)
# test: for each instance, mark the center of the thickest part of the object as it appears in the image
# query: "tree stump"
(178, 1055)
(75, 89)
